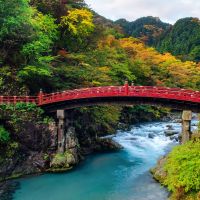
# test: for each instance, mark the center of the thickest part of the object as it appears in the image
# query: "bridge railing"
(17, 99)
(163, 92)
(83, 93)
(140, 91)
(109, 91)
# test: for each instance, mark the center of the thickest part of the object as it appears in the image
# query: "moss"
(183, 167)
(15, 175)
(62, 161)
(59, 170)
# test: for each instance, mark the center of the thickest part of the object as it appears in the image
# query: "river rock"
(107, 144)
(170, 127)
(174, 138)
(151, 136)
(177, 121)
(62, 162)
(158, 172)
(171, 132)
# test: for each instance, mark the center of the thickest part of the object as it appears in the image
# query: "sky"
(167, 10)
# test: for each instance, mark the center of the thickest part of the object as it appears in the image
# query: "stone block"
(187, 115)
(60, 114)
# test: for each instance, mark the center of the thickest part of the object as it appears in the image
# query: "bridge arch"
(175, 98)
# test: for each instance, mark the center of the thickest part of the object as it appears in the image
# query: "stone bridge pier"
(186, 126)
(66, 135)
(61, 130)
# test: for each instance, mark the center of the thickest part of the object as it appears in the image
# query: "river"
(123, 175)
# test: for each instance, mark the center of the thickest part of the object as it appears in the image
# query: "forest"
(57, 45)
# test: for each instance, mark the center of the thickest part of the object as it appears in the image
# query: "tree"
(77, 25)
(15, 28)
(44, 34)
(26, 40)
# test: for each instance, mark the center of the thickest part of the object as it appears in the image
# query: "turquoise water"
(114, 176)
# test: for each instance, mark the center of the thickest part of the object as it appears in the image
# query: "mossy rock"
(62, 161)
(159, 172)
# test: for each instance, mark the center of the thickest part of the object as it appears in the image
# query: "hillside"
(148, 29)
(183, 39)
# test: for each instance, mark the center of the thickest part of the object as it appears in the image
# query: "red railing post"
(27, 99)
(126, 87)
(15, 100)
(40, 97)
(1, 99)
(52, 97)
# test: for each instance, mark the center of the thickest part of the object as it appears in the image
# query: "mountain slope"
(148, 29)
(183, 39)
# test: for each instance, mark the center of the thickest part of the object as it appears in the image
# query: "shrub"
(4, 135)
(183, 168)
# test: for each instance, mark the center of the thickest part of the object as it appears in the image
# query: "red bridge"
(175, 98)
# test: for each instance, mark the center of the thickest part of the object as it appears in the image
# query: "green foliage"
(99, 120)
(9, 82)
(13, 20)
(26, 39)
(113, 31)
(33, 71)
(45, 35)
(183, 168)
(15, 28)
(139, 113)
(20, 114)
(4, 135)
(183, 39)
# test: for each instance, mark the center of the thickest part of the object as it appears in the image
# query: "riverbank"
(179, 171)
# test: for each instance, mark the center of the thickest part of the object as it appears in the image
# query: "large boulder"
(62, 162)
(107, 144)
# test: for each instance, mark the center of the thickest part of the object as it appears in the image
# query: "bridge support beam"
(186, 126)
(61, 130)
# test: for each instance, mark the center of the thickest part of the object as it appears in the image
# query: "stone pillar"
(61, 130)
(186, 126)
